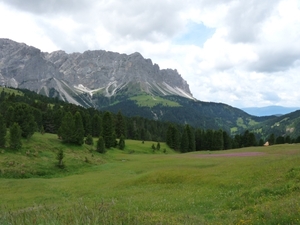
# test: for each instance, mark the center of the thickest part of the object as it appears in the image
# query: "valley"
(141, 187)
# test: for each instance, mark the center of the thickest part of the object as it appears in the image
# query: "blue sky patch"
(195, 34)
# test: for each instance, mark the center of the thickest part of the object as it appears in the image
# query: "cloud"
(243, 53)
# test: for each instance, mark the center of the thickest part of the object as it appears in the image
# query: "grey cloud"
(275, 60)
(132, 20)
(143, 20)
(245, 18)
(271, 96)
(48, 6)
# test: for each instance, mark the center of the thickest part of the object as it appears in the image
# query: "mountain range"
(269, 110)
(116, 82)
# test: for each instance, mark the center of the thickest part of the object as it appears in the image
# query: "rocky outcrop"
(27, 67)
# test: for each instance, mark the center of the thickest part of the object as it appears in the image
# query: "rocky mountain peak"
(88, 72)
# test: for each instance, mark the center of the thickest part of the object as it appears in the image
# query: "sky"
(241, 53)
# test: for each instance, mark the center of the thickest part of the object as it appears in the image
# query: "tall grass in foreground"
(152, 188)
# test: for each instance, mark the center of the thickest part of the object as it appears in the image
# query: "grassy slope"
(123, 188)
(150, 101)
(11, 91)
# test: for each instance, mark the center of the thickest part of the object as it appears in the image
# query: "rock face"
(69, 75)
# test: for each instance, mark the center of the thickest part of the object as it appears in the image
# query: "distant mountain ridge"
(68, 76)
(113, 81)
(269, 110)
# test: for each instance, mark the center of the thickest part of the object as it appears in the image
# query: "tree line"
(30, 112)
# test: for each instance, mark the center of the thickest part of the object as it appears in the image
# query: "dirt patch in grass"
(238, 154)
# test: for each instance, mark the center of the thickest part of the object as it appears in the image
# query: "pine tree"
(218, 143)
(272, 139)
(89, 140)
(184, 145)
(208, 140)
(158, 146)
(227, 141)
(67, 128)
(96, 126)
(60, 155)
(2, 132)
(191, 138)
(15, 135)
(122, 142)
(24, 117)
(78, 137)
(120, 126)
(108, 130)
(101, 145)
(87, 123)
(172, 138)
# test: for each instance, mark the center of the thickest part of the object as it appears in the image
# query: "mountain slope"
(269, 110)
(285, 125)
(113, 81)
(77, 77)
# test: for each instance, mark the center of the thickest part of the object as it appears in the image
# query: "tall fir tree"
(2, 132)
(96, 125)
(101, 145)
(78, 137)
(24, 117)
(191, 138)
(120, 125)
(184, 145)
(87, 123)
(122, 142)
(227, 141)
(108, 130)
(15, 135)
(67, 128)
(172, 137)
(218, 143)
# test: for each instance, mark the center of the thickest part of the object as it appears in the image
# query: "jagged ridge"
(73, 75)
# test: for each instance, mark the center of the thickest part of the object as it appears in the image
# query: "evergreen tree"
(261, 142)
(24, 117)
(158, 146)
(153, 147)
(67, 128)
(184, 145)
(122, 142)
(96, 126)
(2, 132)
(108, 130)
(199, 139)
(172, 137)
(208, 140)
(252, 139)
(120, 126)
(15, 135)
(101, 145)
(9, 119)
(89, 140)
(280, 140)
(272, 139)
(227, 141)
(87, 123)
(60, 155)
(218, 142)
(191, 138)
(78, 137)
(288, 139)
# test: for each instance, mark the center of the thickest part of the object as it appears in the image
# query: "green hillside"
(138, 186)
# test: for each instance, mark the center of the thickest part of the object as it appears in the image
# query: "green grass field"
(150, 101)
(139, 186)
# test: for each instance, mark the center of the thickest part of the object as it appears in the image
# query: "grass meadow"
(139, 186)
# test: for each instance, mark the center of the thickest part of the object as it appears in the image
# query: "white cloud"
(251, 58)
